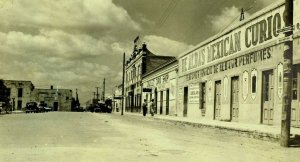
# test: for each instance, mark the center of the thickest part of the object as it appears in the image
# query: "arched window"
(253, 89)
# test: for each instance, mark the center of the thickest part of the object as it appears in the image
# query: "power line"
(165, 15)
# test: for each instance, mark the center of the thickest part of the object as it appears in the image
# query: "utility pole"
(103, 89)
(122, 111)
(287, 74)
(97, 93)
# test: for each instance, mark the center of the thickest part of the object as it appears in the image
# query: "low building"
(57, 99)
(160, 84)
(20, 92)
(237, 75)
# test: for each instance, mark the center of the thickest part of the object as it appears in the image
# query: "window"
(138, 72)
(253, 90)
(8, 92)
(20, 92)
(294, 86)
(67, 98)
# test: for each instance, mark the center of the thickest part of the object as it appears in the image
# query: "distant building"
(117, 98)
(57, 99)
(20, 92)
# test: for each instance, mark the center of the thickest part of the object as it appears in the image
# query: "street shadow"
(295, 141)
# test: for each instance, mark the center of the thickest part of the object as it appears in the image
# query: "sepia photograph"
(149, 80)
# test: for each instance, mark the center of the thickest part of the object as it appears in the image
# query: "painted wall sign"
(245, 84)
(225, 87)
(258, 31)
(158, 80)
(280, 79)
(253, 83)
(194, 93)
(246, 59)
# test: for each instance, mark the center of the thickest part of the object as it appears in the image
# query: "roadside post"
(287, 74)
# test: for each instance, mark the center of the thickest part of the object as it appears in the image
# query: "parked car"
(47, 109)
(31, 107)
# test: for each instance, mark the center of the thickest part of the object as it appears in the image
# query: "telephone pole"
(97, 93)
(122, 110)
(103, 90)
(287, 74)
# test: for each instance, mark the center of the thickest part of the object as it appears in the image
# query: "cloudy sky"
(76, 43)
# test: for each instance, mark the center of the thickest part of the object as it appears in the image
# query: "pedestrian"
(152, 107)
(145, 107)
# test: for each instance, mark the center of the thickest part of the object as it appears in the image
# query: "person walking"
(152, 107)
(145, 107)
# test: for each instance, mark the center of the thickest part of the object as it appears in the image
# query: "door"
(161, 102)
(268, 97)
(167, 101)
(155, 102)
(234, 98)
(203, 98)
(55, 106)
(295, 112)
(218, 95)
(185, 101)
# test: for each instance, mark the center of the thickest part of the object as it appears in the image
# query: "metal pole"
(287, 76)
(103, 90)
(97, 93)
(122, 111)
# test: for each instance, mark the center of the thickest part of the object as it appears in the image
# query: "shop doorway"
(234, 98)
(268, 97)
(55, 106)
(155, 102)
(218, 94)
(167, 101)
(161, 102)
(295, 112)
(203, 98)
(185, 101)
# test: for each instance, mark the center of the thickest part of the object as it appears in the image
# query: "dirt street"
(84, 137)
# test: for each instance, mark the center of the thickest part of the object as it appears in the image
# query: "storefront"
(160, 85)
(237, 76)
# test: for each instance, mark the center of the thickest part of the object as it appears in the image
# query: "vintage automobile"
(101, 107)
(31, 107)
(43, 107)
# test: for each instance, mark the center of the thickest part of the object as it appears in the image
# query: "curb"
(266, 136)
(243, 132)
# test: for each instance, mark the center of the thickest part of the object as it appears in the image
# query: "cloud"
(228, 16)
(265, 2)
(78, 14)
(71, 43)
(164, 46)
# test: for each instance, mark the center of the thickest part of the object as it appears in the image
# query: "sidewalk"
(265, 132)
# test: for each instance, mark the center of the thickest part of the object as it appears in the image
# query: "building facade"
(20, 92)
(141, 61)
(237, 76)
(160, 84)
(117, 98)
(57, 99)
